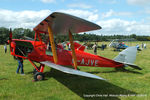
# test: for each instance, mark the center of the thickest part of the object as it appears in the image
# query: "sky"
(123, 17)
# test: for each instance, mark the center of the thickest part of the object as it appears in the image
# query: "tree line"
(21, 32)
(17, 34)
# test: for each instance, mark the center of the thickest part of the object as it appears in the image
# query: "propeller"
(10, 39)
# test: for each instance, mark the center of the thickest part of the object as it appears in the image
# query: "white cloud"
(146, 10)
(113, 13)
(112, 26)
(48, 1)
(108, 14)
(80, 5)
(108, 1)
(29, 19)
(25, 19)
(113, 1)
(139, 2)
(91, 16)
(118, 26)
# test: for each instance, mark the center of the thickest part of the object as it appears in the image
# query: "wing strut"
(51, 38)
(73, 50)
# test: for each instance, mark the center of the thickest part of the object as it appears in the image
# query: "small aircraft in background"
(118, 44)
(45, 51)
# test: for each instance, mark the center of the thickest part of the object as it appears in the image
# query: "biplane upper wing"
(61, 23)
(70, 71)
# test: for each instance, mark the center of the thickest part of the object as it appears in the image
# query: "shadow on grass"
(88, 88)
(115, 71)
(31, 72)
(3, 79)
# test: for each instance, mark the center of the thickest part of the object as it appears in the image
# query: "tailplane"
(127, 57)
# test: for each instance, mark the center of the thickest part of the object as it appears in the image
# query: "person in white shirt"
(144, 45)
(95, 48)
(5, 48)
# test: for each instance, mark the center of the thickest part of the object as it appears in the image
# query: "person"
(95, 48)
(49, 46)
(103, 47)
(69, 46)
(5, 48)
(144, 45)
(138, 46)
(64, 45)
(20, 65)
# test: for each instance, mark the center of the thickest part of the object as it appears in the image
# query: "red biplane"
(45, 51)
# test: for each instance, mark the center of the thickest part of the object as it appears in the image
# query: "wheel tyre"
(38, 76)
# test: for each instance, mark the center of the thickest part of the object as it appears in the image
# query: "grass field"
(129, 85)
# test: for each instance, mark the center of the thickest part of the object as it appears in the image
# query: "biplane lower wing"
(71, 71)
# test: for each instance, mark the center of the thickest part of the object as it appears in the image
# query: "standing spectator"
(95, 48)
(5, 48)
(103, 47)
(64, 45)
(69, 46)
(138, 46)
(144, 45)
(20, 65)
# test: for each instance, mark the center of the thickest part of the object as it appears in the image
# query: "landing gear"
(38, 76)
(38, 71)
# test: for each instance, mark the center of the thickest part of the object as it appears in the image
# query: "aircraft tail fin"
(127, 57)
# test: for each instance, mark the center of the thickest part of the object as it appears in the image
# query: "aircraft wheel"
(38, 76)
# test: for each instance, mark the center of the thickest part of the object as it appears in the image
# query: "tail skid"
(127, 57)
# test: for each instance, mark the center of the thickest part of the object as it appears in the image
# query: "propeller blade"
(10, 38)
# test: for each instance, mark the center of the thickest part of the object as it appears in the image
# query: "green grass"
(132, 85)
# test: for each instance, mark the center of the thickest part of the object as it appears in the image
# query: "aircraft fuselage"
(37, 51)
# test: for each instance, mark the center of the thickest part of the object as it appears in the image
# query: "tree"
(4, 35)
(133, 36)
(21, 32)
(29, 33)
(18, 33)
